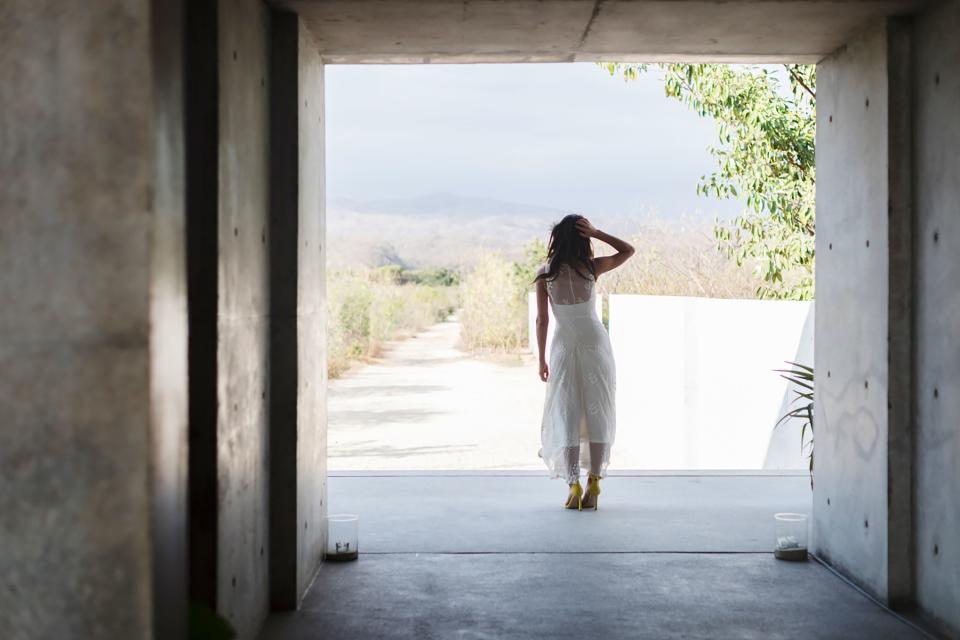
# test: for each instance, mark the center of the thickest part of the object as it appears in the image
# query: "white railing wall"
(695, 381)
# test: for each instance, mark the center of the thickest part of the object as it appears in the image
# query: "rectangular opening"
(443, 184)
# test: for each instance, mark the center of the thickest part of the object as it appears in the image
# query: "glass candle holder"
(343, 537)
(791, 530)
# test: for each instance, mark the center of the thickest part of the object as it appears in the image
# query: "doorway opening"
(443, 183)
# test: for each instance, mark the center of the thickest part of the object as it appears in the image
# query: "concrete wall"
(863, 458)
(887, 496)
(257, 294)
(227, 78)
(298, 336)
(850, 506)
(243, 314)
(92, 378)
(311, 316)
(936, 197)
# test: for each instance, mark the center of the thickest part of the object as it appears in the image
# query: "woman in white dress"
(579, 418)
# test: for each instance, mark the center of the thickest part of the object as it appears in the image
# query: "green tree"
(765, 157)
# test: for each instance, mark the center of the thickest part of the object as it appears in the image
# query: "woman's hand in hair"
(586, 229)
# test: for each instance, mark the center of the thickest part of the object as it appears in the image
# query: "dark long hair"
(568, 247)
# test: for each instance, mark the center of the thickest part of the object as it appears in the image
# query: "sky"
(567, 136)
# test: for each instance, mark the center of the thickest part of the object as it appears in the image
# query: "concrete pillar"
(863, 511)
(93, 324)
(297, 302)
(936, 105)
(228, 236)
(257, 341)
(243, 320)
(887, 496)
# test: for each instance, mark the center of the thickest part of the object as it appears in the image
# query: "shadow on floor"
(578, 596)
(370, 448)
(374, 390)
(496, 557)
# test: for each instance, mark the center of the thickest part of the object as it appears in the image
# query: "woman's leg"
(598, 453)
(575, 497)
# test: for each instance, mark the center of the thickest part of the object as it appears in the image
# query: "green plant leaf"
(207, 624)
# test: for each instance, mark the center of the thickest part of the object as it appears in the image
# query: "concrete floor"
(510, 514)
(494, 556)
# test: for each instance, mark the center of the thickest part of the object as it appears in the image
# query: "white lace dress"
(579, 417)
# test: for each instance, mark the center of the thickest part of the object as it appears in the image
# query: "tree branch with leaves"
(765, 158)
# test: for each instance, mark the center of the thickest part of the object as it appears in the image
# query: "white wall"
(695, 382)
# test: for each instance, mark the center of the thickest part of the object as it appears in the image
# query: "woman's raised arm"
(606, 263)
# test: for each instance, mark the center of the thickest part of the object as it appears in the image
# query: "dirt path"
(428, 405)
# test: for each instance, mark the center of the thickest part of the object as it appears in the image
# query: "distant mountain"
(447, 205)
(439, 229)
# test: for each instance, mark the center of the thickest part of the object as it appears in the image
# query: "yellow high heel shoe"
(592, 498)
(575, 499)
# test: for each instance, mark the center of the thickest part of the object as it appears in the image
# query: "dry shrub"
(367, 307)
(678, 259)
(370, 306)
(493, 315)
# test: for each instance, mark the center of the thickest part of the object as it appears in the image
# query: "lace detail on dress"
(569, 287)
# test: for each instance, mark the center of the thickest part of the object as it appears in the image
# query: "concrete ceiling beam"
(480, 31)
